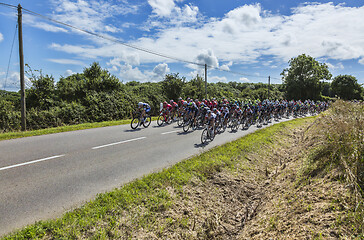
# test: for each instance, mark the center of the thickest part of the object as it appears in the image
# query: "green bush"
(9, 118)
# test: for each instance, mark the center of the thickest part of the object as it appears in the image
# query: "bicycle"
(164, 117)
(207, 134)
(190, 123)
(234, 124)
(138, 120)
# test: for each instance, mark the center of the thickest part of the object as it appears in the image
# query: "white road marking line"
(31, 162)
(170, 132)
(112, 144)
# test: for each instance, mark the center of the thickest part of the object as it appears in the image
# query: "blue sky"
(256, 39)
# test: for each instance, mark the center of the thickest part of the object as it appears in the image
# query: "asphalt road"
(44, 176)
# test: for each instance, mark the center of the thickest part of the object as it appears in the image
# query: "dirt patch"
(265, 197)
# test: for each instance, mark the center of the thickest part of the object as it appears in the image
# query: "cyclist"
(238, 113)
(143, 108)
(211, 117)
(167, 109)
(193, 110)
(174, 108)
(225, 113)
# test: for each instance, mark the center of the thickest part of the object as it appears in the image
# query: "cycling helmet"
(215, 109)
(208, 111)
(164, 103)
(171, 101)
(140, 104)
(179, 99)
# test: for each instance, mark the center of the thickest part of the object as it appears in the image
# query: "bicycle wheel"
(134, 123)
(234, 125)
(194, 126)
(186, 126)
(224, 126)
(212, 134)
(160, 120)
(218, 127)
(204, 136)
(179, 121)
(169, 120)
(147, 121)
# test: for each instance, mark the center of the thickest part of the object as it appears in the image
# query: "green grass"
(142, 199)
(13, 135)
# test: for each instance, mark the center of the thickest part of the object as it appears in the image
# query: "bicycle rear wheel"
(204, 136)
(234, 125)
(179, 121)
(212, 134)
(186, 126)
(134, 123)
(160, 120)
(147, 121)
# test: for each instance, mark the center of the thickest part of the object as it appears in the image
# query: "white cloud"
(168, 14)
(13, 81)
(67, 61)
(160, 71)
(361, 61)
(244, 79)
(162, 7)
(91, 15)
(335, 67)
(68, 73)
(217, 79)
(128, 73)
(1, 37)
(208, 57)
(227, 66)
(35, 22)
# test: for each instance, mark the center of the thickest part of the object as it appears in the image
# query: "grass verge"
(13, 135)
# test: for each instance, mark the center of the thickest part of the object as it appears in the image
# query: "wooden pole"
(22, 83)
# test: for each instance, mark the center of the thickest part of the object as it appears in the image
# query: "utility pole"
(22, 83)
(206, 80)
(268, 86)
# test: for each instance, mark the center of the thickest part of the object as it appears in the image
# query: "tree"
(100, 80)
(302, 79)
(195, 88)
(41, 94)
(172, 86)
(346, 87)
(72, 88)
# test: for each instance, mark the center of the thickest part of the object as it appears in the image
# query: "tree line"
(95, 95)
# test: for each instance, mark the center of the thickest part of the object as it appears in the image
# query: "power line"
(134, 46)
(11, 53)
(8, 5)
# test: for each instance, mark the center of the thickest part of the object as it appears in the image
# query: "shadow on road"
(184, 133)
(133, 130)
(201, 145)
